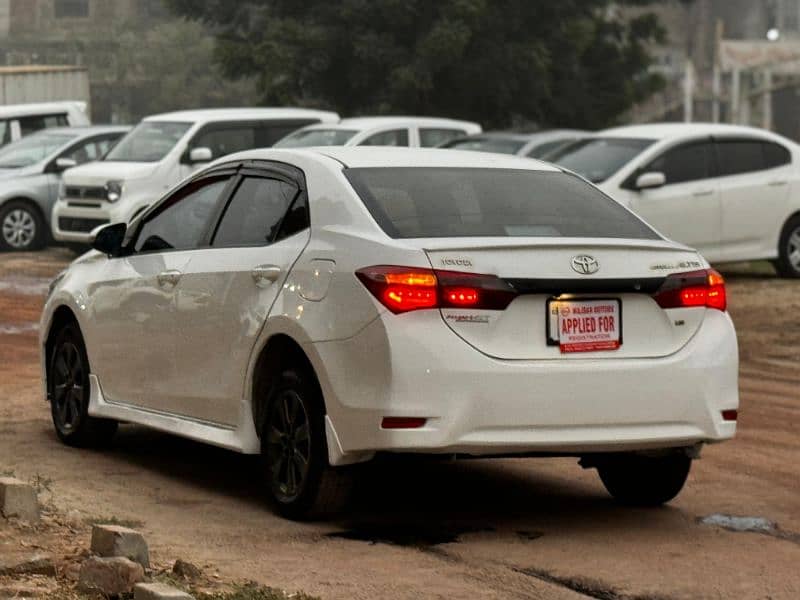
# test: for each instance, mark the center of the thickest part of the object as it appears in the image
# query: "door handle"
(700, 193)
(263, 275)
(777, 183)
(171, 277)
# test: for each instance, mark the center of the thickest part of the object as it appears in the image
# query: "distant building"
(692, 30)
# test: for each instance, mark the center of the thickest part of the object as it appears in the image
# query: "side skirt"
(242, 438)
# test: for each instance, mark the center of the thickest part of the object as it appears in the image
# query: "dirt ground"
(523, 528)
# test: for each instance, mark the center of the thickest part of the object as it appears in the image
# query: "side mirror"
(200, 155)
(108, 239)
(63, 163)
(650, 180)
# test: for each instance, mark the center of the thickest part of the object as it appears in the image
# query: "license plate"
(584, 325)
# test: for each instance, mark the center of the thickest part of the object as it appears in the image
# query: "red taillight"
(730, 415)
(696, 288)
(401, 289)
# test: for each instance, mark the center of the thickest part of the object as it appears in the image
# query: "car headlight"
(55, 282)
(114, 190)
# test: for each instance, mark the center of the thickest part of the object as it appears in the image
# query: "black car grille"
(85, 192)
(78, 224)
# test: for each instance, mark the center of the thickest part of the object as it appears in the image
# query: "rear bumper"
(415, 366)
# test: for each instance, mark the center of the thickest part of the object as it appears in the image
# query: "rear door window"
(415, 202)
(430, 137)
(5, 132)
(257, 211)
(223, 140)
(740, 156)
(775, 155)
(395, 137)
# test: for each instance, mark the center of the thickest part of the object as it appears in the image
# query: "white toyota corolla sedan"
(318, 306)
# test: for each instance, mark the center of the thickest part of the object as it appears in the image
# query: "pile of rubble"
(118, 562)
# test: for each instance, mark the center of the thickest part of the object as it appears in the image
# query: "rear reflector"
(403, 422)
(730, 415)
(402, 289)
(697, 288)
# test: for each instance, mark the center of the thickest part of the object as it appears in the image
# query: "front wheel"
(788, 263)
(21, 227)
(300, 482)
(638, 480)
(68, 386)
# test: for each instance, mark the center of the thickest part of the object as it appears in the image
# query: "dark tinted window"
(28, 125)
(256, 212)
(183, 219)
(91, 149)
(688, 162)
(775, 155)
(396, 137)
(430, 137)
(542, 150)
(225, 140)
(597, 159)
(455, 202)
(740, 156)
(5, 132)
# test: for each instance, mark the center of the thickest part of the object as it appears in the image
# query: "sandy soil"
(522, 528)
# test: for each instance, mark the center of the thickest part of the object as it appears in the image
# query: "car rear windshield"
(597, 159)
(316, 137)
(150, 141)
(417, 202)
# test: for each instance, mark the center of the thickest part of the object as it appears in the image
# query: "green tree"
(500, 62)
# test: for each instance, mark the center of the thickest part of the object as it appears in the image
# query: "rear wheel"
(21, 227)
(638, 480)
(788, 263)
(68, 383)
(300, 482)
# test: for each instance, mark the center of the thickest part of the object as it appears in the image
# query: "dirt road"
(467, 529)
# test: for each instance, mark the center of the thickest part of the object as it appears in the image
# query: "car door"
(226, 291)
(687, 207)
(133, 304)
(754, 187)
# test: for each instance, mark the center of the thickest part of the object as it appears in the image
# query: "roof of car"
(361, 123)
(35, 108)
(386, 156)
(238, 114)
(662, 131)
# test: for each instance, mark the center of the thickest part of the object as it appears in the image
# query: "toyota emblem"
(585, 264)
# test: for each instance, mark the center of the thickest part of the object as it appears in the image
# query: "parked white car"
(160, 152)
(426, 132)
(19, 120)
(731, 192)
(320, 305)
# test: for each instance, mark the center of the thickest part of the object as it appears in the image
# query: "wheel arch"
(280, 351)
(27, 200)
(62, 316)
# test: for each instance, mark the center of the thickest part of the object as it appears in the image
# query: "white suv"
(160, 152)
(425, 132)
(19, 120)
(731, 192)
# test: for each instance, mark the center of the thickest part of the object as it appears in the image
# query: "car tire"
(637, 480)
(68, 390)
(788, 263)
(300, 482)
(22, 228)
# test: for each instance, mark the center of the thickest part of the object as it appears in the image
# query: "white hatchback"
(319, 306)
(731, 192)
(425, 132)
(157, 154)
